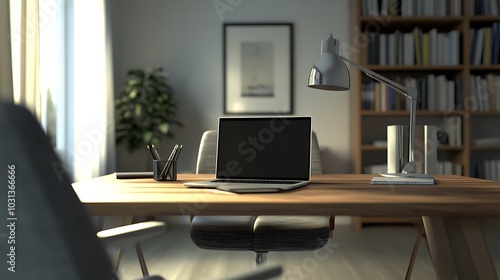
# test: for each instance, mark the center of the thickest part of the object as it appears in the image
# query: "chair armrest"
(260, 273)
(152, 278)
(131, 233)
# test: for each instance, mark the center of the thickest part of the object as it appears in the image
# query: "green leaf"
(134, 83)
(133, 93)
(147, 137)
(138, 110)
(164, 127)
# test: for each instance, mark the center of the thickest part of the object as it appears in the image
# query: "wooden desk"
(449, 209)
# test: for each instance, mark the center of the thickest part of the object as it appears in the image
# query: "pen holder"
(165, 170)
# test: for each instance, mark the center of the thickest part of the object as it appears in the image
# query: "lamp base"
(406, 175)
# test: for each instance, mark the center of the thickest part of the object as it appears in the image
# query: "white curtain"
(93, 110)
(6, 91)
(81, 90)
(24, 38)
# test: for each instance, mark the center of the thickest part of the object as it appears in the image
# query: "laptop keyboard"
(246, 181)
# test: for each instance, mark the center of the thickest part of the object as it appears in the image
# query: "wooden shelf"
(472, 122)
(370, 147)
(485, 148)
(489, 68)
(484, 114)
(483, 19)
(402, 113)
(436, 68)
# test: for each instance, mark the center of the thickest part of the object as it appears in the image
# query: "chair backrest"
(54, 236)
(207, 154)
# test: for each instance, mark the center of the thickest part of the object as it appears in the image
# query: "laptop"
(261, 154)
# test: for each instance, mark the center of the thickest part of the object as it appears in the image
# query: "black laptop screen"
(264, 148)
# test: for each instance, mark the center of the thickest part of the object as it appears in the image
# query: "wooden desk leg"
(458, 249)
(415, 251)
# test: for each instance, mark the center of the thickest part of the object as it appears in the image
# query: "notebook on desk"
(261, 154)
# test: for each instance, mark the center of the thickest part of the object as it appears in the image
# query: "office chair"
(54, 236)
(260, 234)
(49, 234)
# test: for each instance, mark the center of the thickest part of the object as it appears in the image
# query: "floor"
(375, 252)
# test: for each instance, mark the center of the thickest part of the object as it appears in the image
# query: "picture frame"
(258, 68)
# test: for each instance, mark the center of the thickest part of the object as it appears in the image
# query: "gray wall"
(185, 38)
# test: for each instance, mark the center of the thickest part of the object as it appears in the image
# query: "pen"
(169, 162)
(156, 152)
(152, 152)
(177, 153)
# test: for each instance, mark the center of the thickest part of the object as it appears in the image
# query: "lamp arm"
(398, 87)
(410, 93)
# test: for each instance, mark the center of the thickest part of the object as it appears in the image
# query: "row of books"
(486, 169)
(484, 93)
(444, 167)
(414, 48)
(435, 93)
(450, 168)
(485, 45)
(411, 7)
(484, 7)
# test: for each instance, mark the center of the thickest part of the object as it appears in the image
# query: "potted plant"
(145, 109)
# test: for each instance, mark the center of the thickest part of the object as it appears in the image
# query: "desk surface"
(327, 194)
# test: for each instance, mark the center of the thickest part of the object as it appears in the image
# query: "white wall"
(185, 38)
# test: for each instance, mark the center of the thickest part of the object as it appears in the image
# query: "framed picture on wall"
(258, 68)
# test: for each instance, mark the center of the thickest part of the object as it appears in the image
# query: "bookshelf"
(450, 51)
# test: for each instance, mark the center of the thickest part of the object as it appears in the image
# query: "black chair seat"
(290, 233)
(260, 234)
(223, 232)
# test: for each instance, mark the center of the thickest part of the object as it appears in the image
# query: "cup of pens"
(165, 170)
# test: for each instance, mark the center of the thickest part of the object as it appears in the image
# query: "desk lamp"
(329, 72)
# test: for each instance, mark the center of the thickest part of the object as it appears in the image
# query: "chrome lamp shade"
(329, 72)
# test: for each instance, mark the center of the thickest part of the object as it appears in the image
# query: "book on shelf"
(492, 169)
(417, 39)
(375, 169)
(402, 181)
(452, 126)
(485, 93)
(485, 45)
(495, 29)
(488, 169)
(484, 7)
(408, 49)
